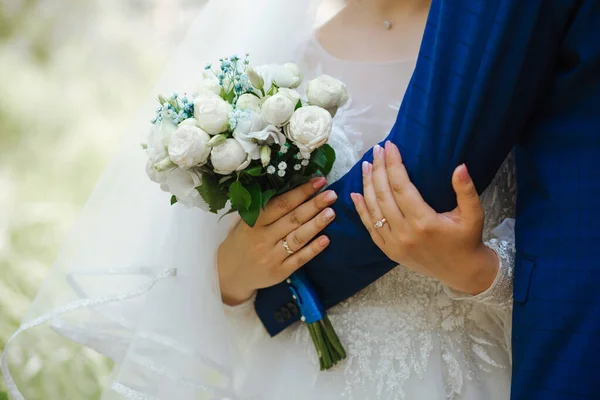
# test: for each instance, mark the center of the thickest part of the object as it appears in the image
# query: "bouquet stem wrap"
(327, 343)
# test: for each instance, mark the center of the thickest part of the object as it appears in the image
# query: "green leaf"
(267, 195)
(210, 192)
(251, 215)
(173, 199)
(254, 171)
(319, 158)
(228, 96)
(239, 196)
(298, 105)
(225, 179)
(330, 157)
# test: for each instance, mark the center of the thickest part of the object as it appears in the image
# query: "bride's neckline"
(327, 53)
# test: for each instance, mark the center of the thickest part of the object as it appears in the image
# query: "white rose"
(295, 70)
(229, 157)
(188, 147)
(327, 92)
(248, 102)
(291, 94)
(209, 83)
(159, 138)
(309, 128)
(212, 114)
(278, 110)
(189, 122)
(183, 184)
(278, 74)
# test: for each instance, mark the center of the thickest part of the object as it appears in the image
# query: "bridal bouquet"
(241, 137)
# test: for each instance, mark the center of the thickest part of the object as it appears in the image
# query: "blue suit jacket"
(493, 75)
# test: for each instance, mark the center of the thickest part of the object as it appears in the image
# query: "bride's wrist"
(235, 297)
(485, 269)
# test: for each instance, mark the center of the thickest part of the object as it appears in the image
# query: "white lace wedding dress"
(406, 335)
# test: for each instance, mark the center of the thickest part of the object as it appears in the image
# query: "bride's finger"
(383, 193)
(371, 198)
(365, 217)
(300, 237)
(295, 261)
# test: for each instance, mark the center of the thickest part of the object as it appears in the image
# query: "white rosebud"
(228, 157)
(265, 155)
(295, 70)
(183, 184)
(255, 79)
(209, 83)
(291, 94)
(248, 102)
(189, 147)
(212, 114)
(327, 92)
(309, 129)
(216, 140)
(279, 75)
(278, 110)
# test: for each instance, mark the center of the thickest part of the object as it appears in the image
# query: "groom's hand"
(446, 246)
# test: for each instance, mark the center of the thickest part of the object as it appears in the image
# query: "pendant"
(387, 24)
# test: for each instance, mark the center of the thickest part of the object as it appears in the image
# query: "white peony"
(278, 109)
(291, 94)
(252, 132)
(248, 102)
(212, 113)
(327, 92)
(183, 184)
(189, 147)
(189, 122)
(228, 157)
(309, 129)
(283, 77)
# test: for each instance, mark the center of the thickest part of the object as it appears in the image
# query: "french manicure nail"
(463, 174)
(328, 215)
(331, 196)
(377, 151)
(365, 168)
(318, 183)
(324, 241)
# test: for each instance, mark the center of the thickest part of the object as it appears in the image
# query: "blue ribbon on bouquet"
(306, 297)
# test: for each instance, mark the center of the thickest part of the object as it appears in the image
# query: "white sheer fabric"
(137, 280)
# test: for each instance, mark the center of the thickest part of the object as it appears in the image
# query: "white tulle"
(136, 280)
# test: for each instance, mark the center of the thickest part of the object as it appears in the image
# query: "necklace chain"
(386, 22)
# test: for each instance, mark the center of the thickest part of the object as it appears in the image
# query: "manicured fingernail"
(331, 196)
(328, 214)
(388, 147)
(324, 241)
(353, 197)
(318, 183)
(463, 174)
(366, 167)
(377, 151)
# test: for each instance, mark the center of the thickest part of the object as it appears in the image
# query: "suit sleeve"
(482, 67)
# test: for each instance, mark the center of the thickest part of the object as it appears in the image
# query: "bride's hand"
(446, 246)
(255, 258)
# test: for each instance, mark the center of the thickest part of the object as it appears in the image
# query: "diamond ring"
(286, 246)
(380, 223)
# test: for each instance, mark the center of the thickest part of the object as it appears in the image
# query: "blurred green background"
(71, 74)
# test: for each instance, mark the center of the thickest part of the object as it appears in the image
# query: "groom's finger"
(407, 196)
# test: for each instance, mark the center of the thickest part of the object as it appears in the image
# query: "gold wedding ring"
(380, 223)
(286, 246)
